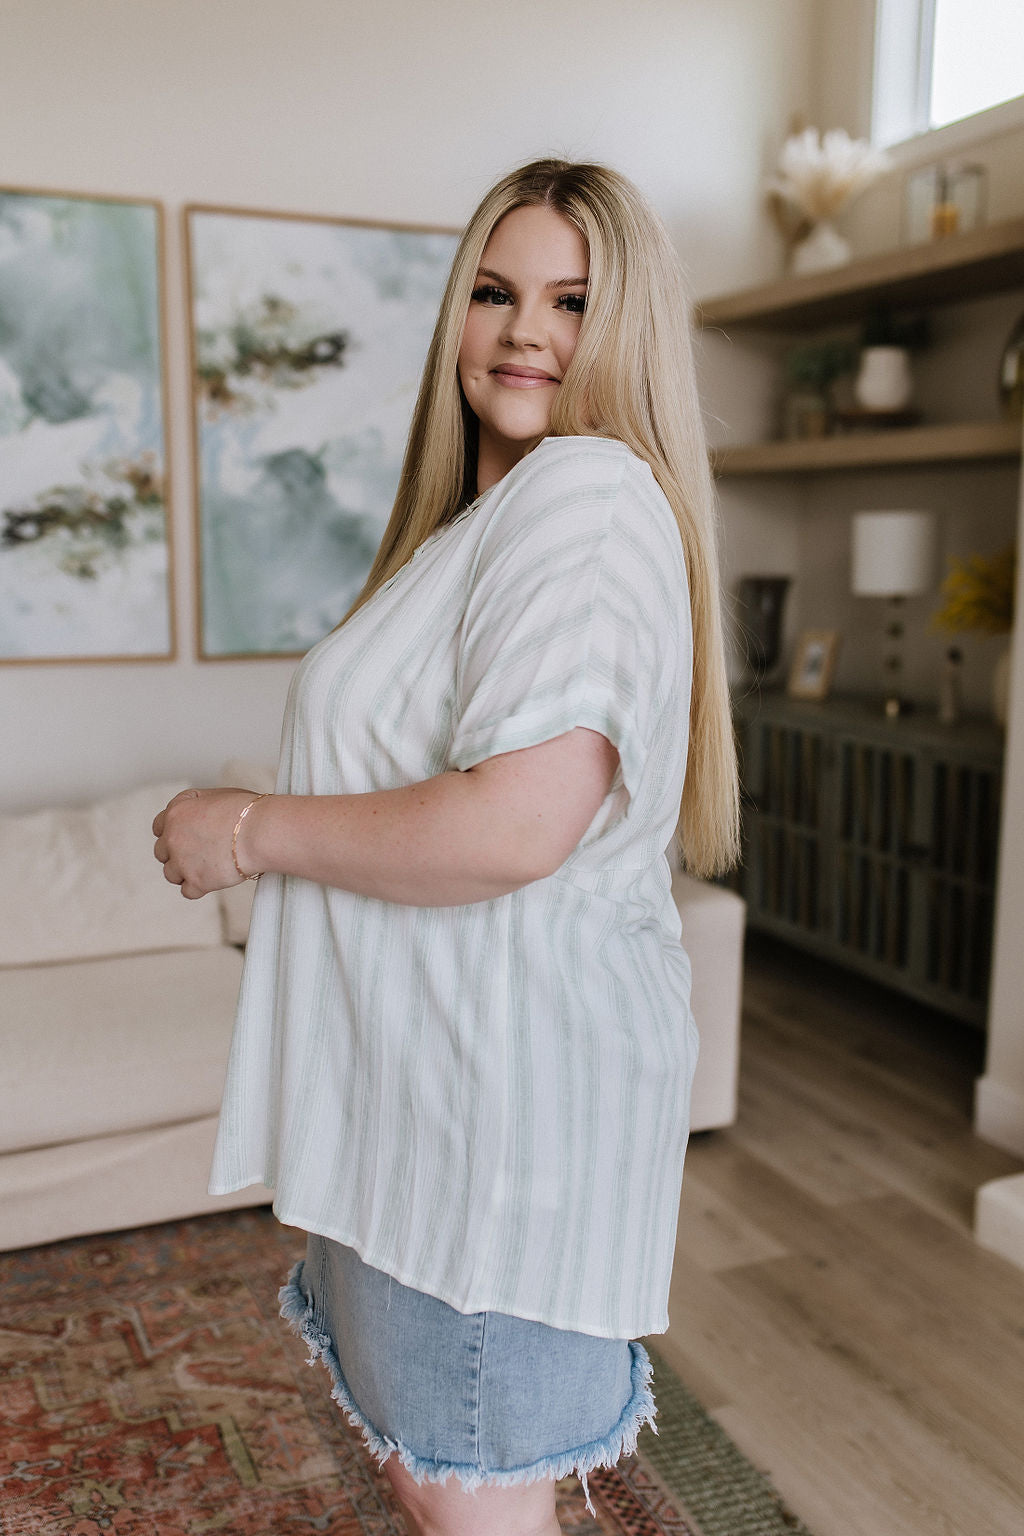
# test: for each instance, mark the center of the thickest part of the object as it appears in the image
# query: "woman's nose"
(524, 327)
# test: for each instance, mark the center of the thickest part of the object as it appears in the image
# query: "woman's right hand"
(194, 834)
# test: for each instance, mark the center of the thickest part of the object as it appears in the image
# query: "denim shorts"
(491, 1398)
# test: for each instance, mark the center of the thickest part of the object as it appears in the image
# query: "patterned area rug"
(149, 1388)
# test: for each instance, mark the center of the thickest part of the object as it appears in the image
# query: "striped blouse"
(490, 1101)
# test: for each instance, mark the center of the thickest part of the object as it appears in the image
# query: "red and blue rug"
(149, 1388)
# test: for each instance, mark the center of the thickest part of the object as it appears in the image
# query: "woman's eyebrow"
(559, 282)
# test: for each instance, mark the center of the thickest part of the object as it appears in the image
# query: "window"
(937, 61)
(977, 57)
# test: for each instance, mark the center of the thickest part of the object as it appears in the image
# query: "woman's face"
(520, 333)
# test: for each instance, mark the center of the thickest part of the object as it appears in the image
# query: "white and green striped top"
(490, 1101)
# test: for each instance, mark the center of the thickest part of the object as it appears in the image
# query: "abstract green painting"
(309, 338)
(84, 560)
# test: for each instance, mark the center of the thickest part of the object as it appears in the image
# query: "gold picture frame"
(308, 334)
(814, 664)
(86, 526)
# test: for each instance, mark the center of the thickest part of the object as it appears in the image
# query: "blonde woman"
(464, 1046)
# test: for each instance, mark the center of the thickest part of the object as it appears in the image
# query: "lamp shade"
(893, 553)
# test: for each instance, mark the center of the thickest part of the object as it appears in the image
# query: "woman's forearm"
(442, 842)
(453, 839)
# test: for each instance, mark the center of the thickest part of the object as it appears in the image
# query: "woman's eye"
(489, 294)
(574, 303)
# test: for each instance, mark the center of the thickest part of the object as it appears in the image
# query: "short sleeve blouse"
(490, 1101)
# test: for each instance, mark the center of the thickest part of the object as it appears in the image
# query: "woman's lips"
(521, 378)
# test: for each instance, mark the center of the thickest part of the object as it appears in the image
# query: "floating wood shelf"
(983, 261)
(961, 442)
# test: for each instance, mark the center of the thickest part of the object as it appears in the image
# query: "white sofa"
(116, 1006)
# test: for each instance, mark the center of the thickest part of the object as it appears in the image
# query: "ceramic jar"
(884, 381)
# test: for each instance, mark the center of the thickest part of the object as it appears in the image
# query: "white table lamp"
(893, 556)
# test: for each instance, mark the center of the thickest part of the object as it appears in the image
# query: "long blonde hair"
(631, 378)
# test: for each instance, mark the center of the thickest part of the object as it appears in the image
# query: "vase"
(884, 381)
(761, 601)
(823, 248)
(1001, 688)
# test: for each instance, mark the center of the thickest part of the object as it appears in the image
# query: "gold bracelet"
(234, 839)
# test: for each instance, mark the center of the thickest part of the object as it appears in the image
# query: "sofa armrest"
(713, 922)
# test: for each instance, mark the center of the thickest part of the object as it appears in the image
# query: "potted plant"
(820, 175)
(811, 370)
(979, 596)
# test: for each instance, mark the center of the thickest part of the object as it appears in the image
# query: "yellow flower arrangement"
(979, 593)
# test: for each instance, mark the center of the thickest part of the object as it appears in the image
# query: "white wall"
(400, 109)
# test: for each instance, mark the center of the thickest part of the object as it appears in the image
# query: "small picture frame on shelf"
(810, 676)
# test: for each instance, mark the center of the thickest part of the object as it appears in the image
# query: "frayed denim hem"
(297, 1311)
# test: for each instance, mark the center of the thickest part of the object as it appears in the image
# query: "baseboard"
(999, 1217)
(999, 1115)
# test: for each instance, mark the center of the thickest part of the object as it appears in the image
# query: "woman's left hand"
(193, 839)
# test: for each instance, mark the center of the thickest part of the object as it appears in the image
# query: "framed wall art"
(85, 569)
(308, 340)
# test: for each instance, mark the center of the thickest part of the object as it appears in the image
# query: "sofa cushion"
(111, 1182)
(82, 882)
(105, 1046)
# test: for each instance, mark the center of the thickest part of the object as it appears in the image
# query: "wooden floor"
(829, 1305)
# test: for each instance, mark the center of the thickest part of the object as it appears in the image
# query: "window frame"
(901, 89)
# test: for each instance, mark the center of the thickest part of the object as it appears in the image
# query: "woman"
(464, 1047)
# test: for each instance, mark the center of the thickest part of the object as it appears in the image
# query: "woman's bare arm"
(456, 838)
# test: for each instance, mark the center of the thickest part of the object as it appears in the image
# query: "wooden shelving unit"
(984, 261)
(988, 260)
(959, 442)
(871, 842)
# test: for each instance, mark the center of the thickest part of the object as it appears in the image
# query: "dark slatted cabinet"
(872, 842)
